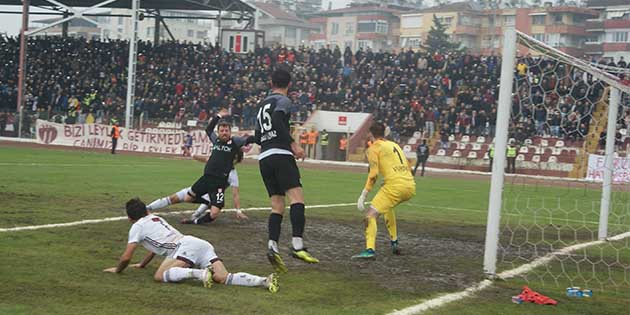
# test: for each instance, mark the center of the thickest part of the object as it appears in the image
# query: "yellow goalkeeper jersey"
(387, 159)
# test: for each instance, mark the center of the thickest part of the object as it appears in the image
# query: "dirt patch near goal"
(429, 263)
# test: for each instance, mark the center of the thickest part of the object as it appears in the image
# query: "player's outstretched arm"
(213, 123)
(147, 259)
(124, 260)
(244, 140)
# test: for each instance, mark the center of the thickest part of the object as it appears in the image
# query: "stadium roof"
(224, 5)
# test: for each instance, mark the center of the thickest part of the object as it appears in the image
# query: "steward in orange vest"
(115, 134)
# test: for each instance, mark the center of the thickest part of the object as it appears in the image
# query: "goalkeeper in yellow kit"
(385, 158)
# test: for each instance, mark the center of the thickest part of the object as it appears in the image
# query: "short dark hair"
(280, 78)
(223, 123)
(136, 209)
(378, 129)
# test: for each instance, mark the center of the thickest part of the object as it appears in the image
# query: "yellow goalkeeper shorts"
(389, 196)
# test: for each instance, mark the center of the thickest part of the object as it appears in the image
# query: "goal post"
(572, 231)
(613, 109)
(500, 145)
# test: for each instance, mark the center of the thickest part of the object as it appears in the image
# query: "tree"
(438, 40)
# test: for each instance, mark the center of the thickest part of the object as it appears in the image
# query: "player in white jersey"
(186, 257)
(200, 216)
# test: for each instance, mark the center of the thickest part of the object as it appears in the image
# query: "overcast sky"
(11, 23)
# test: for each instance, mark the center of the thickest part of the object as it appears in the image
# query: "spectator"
(511, 157)
(115, 134)
(444, 134)
(343, 145)
(323, 142)
(407, 90)
(188, 142)
(422, 155)
(304, 139)
(312, 143)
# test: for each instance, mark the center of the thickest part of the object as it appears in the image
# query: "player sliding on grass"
(279, 170)
(215, 176)
(187, 257)
(385, 158)
(200, 216)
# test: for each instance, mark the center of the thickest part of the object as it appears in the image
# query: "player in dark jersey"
(279, 170)
(215, 176)
(200, 216)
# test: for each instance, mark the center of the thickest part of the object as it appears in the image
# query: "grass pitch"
(59, 270)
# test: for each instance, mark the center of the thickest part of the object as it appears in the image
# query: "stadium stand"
(414, 94)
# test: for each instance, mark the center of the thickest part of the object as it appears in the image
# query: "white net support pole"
(131, 68)
(498, 167)
(613, 108)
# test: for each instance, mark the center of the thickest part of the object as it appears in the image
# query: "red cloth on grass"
(528, 295)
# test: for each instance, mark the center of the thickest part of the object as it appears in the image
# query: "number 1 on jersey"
(398, 153)
(264, 118)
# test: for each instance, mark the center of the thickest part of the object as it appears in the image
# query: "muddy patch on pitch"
(428, 262)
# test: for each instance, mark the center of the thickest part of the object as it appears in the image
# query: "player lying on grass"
(385, 158)
(215, 176)
(187, 257)
(200, 216)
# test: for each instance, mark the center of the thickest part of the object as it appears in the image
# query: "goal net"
(559, 210)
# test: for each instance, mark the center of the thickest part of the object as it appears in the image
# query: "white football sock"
(245, 279)
(177, 274)
(159, 204)
(182, 194)
(199, 212)
(297, 243)
(273, 245)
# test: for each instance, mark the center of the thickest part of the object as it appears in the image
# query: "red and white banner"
(97, 136)
(621, 169)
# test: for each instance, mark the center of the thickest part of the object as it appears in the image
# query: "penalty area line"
(456, 296)
(95, 221)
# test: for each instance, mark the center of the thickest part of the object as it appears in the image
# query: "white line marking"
(73, 165)
(444, 299)
(93, 221)
(452, 297)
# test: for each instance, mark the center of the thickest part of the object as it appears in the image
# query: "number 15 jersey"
(272, 129)
(386, 158)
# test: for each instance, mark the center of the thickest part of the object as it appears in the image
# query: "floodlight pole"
(609, 158)
(498, 166)
(22, 67)
(131, 68)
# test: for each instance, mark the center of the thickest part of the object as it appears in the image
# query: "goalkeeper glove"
(361, 201)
